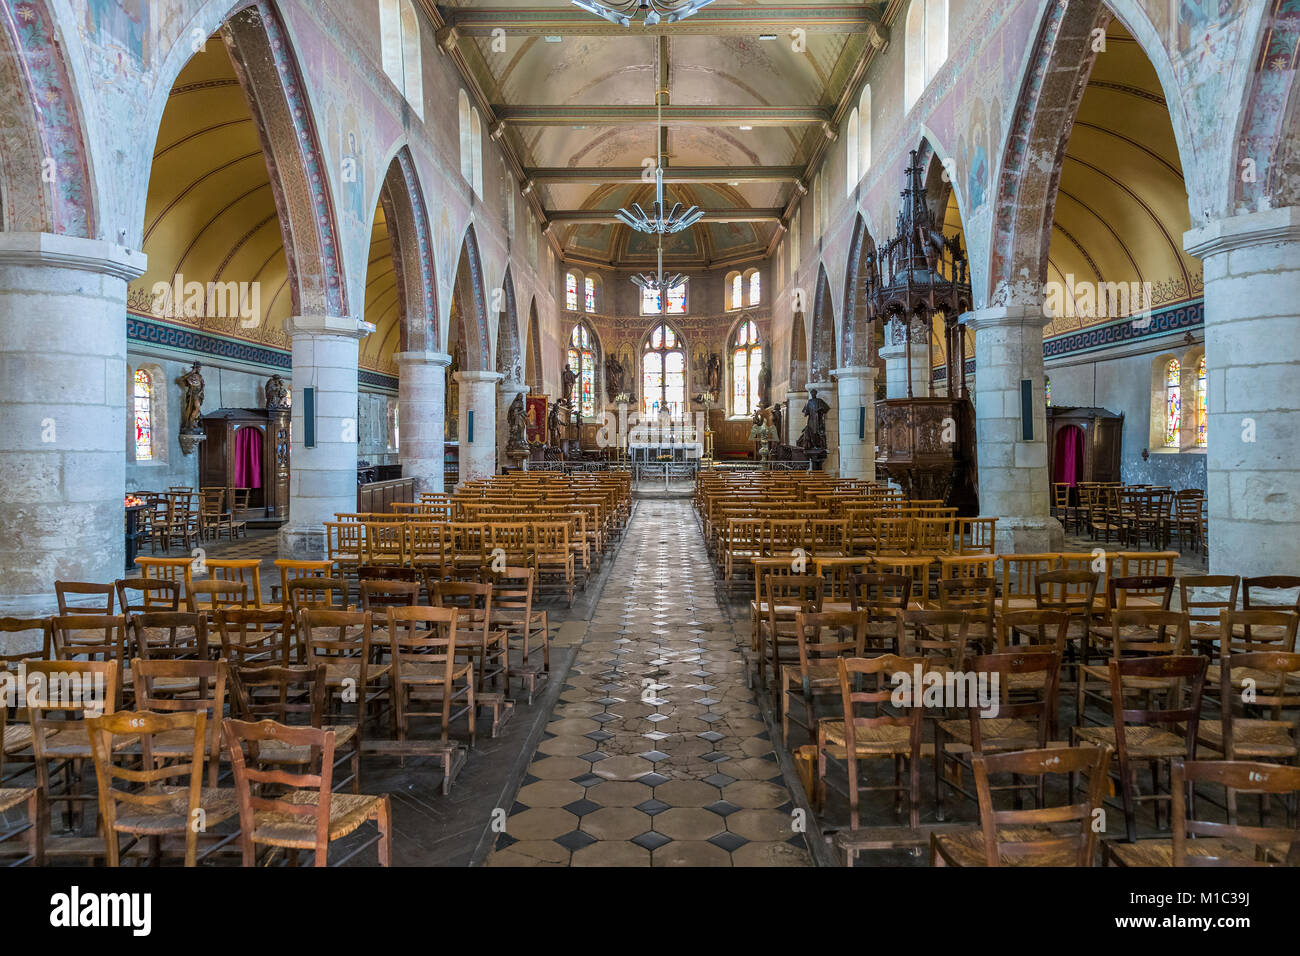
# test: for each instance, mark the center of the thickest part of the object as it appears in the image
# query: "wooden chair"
(99, 597)
(255, 637)
(154, 692)
(1215, 843)
(293, 696)
(1062, 510)
(35, 642)
(345, 642)
(1074, 594)
(32, 831)
(428, 546)
(153, 595)
(307, 815)
(293, 570)
(214, 594)
(822, 638)
(479, 641)
(1185, 522)
(1141, 633)
(162, 792)
(1038, 837)
(976, 535)
(380, 594)
(787, 596)
(93, 637)
(978, 598)
(885, 597)
(213, 514)
(877, 734)
(423, 643)
(1203, 611)
(514, 613)
(1020, 721)
(894, 537)
(1152, 733)
(552, 553)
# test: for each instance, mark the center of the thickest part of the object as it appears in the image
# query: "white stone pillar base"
(895, 357)
(856, 401)
(478, 393)
(323, 479)
(1014, 484)
(1252, 359)
(63, 435)
(421, 411)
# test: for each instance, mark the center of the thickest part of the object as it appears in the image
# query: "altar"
(657, 452)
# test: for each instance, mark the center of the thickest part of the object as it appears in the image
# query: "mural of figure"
(192, 399)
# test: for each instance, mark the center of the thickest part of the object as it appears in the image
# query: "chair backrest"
(1273, 846)
(169, 635)
(1146, 563)
(1205, 609)
(1057, 845)
(1258, 630)
(249, 635)
(206, 691)
(1146, 587)
(1181, 704)
(251, 780)
(1051, 628)
(425, 636)
(153, 594)
(1070, 591)
(1019, 572)
(830, 634)
(377, 595)
(92, 637)
(1147, 631)
(1031, 701)
(977, 596)
(287, 694)
(100, 597)
(31, 626)
(151, 782)
(512, 593)
(865, 707)
(472, 600)
(318, 594)
(884, 595)
(1269, 583)
(61, 695)
(214, 593)
(334, 636)
(1268, 688)
(934, 635)
(893, 534)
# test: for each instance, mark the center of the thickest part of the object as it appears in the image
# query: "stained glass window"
(746, 364)
(1047, 390)
(571, 292)
(677, 300)
(755, 288)
(1201, 416)
(1173, 403)
(737, 284)
(663, 377)
(590, 290)
(142, 394)
(650, 302)
(582, 359)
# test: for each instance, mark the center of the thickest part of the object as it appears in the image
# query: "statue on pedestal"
(714, 376)
(813, 439)
(517, 429)
(614, 378)
(765, 385)
(553, 426)
(277, 393)
(568, 379)
(191, 432)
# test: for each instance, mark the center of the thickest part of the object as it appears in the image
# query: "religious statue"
(776, 421)
(451, 423)
(568, 378)
(517, 429)
(553, 425)
(614, 376)
(764, 434)
(277, 393)
(765, 385)
(714, 376)
(192, 399)
(813, 439)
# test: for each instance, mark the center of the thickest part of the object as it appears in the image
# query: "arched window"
(589, 290)
(796, 223)
(1201, 416)
(652, 303)
(746, 363)
(1173, 403)
(736, 295)
(755, 287)
(663, 374)
(412, 85)
(817, 206)
(571, 292)
(1047, 390)
(476, 150)
(466, 144)
(864, 131)
(142, 408)
(851, 146)
(925, 46)
(582, 359)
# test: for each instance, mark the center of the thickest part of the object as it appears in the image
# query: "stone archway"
(476, 383)
(509, 365)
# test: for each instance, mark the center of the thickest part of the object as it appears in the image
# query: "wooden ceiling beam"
(601, 175)
(602, 216)
(635, 115)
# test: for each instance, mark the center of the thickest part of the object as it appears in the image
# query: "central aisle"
(656, 753)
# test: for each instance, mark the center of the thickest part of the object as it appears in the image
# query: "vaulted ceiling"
(577, 96)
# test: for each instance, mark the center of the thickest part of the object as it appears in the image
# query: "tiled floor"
(656, 753)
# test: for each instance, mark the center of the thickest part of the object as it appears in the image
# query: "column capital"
(422, 358)
(341, 326)
(478, 376)
(1248, 229)
(71, 252)
(819, 387)
(855, 371)
(1000, 316)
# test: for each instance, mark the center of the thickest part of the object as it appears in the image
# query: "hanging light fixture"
(623, 12)
(657, 281)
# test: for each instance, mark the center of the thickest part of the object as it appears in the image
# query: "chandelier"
(657, 281)
(623, 11)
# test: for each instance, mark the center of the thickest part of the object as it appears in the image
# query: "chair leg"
(384, 820)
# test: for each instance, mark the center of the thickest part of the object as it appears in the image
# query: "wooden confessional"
(1083, 444)
(268, 495)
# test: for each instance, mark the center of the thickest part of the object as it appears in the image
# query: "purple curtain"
(248, 457)
(1069, 455)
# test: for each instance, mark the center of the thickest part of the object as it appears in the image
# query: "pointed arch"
(471, 305)
(823, 358)
(533, 355)
(509, 356)
(858, 341)
(1270, 118)
(405, 209)
(798, 354)
(42, 94)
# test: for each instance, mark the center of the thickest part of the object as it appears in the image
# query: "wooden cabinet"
(1096, 435)
(218, 454)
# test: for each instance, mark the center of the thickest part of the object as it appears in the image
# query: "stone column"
(895, 357)
(794, 421)
(421, 409)
(506, 394)
(1013, 481)
(323, 478)
(478, 394)
(826, 392)
(1252, 361)
(857, 406)
(63, 400)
